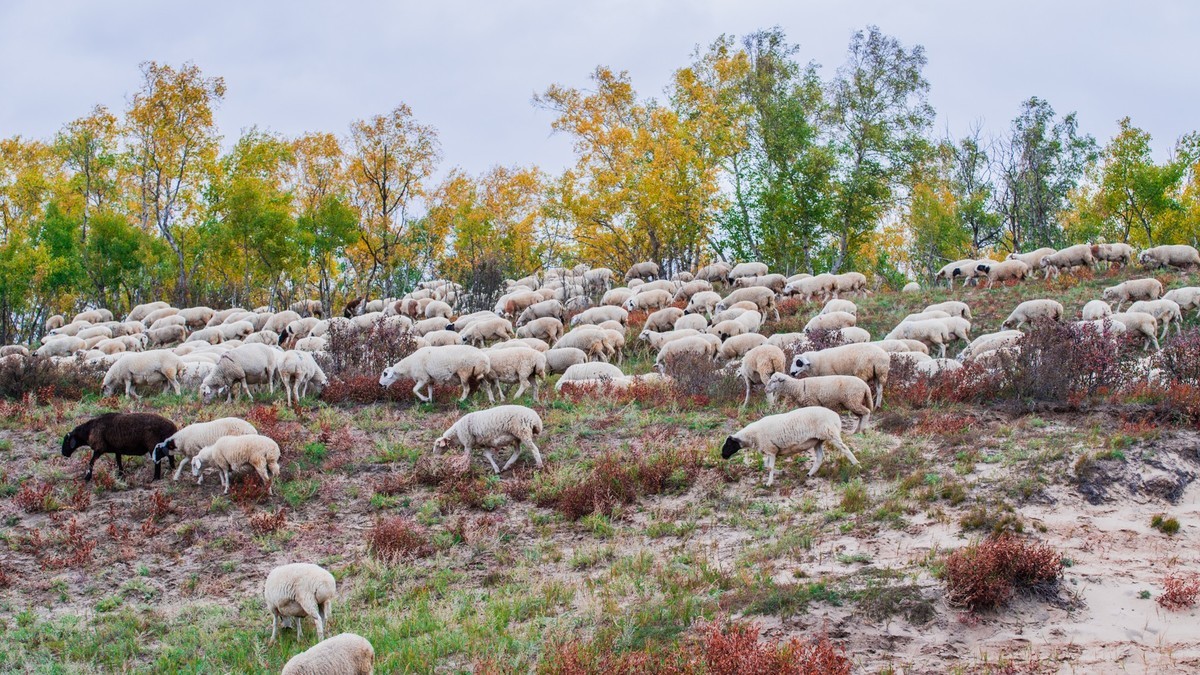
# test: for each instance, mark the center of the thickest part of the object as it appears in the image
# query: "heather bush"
(395, 538)
(1179, 592)
(1065, 362)
(697, 375)
(1180, 357)
(616, 479)
(356, 358)
(984, 576)
(41, 377)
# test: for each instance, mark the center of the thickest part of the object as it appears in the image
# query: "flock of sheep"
(546, 324)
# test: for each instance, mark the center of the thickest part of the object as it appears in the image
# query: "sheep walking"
(788, 433)
(836, 392)
(466, 365)
(122, 434)
(867, 362)
(759, 365)
(492, 429)
(191, 439)
(296, 591)
(345, 654)
(235, 454)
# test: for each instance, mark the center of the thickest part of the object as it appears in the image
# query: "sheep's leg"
(513, 459)
(878, 394)
(521, 387)
(746, 401)
(943, 353)
(120, 467)
(266, 477)
(417, 390)
(769, 460)
(246, 388)
(327, 609)
(818, 459)
(274, 626)
(225, 480)
(487, 454)
(88, 476)
(864, 420)
(178, 471)
(837, 443)
(537, 454)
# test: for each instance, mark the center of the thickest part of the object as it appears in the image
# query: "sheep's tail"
(869, 399)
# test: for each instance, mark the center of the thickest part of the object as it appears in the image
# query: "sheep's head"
(70, 444)
(389, 376)
(732, 445)
(800, 364)
(197, 465)
(162, 450)
(1109, 293)
(776, 381)
(446, 442)
(1044, 262)
(209, 391)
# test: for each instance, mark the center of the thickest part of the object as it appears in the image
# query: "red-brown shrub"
(1179, 592)
(1180, 357)
(6, 579)
(394, 483)
(247, 490)
(983, 576)
(160, 506)
(619, 478)
(395, 538)
(266, 523)
(41, 377)
(696, 375)
(34, 496)
(77, 548)
(80, 497)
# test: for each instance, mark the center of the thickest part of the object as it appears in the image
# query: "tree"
(393, 157)
(173, 145)
(1039, 164)
(88, 147)
(879, 119)
(1134, 192)
(971, 183)
(127, 264)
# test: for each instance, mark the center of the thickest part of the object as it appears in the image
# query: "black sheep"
(120, 434)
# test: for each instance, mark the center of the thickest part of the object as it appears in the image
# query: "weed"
(1168, 526)
(1179, 592)
(983, 576)
(395, 538)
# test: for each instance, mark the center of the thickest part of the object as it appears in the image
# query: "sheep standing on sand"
(193, 438)
(493, 429)
(759, 365)
(344, 654)
(236, 454)
(463, 364)
(143, 368)
(1132, 291)
(836, 392)
(122, 434)
(1034, 310)
(867, 362)
(796, 431)
(296, 591)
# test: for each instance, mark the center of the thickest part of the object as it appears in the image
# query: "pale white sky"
(470, 68)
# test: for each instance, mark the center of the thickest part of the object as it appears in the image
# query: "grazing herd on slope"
(547, 324)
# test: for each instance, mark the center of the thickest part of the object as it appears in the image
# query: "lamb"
(840, 306)
(480, 332)
(236, 454)
(1134, 289)
(600, 314)
(830, 321)
(1187, 298)
(929, 331)
(494, 428)
(648, 301)
(189, 440)
(1179, 255)
(298, 590)
(1033, 258)
(836, 392)
(704, 302)
(643, 270)
(1034, 310)
(522, 366)
(122, 434)
(344, 654)
(664, 319)
(737, 346)
(1079, 255)
(464, 364)
(244, 365)
(298, 369)
(136, 368)
(1113, 253)
(763, 297)
(1003, 271)
(759, 365)
(747, 269)
(796, 431)
(1164, 311)
(558, 360)
(1139, 322)
(867, 362)
(1096, 309)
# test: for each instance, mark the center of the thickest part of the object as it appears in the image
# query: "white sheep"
(718, 271)
(775, 282)
(852, 334)
(927, 314)
(427, 326)
(583, 372)
(642, 270)
(911, 287)
(933, 367)
(648, 301)
(663, 319)
(737, 346)
(1139, 322)
(830, 321)
(958, 268)
(297, 370)
(687, 290)
(237, 454)
(836, 392)
(488, 330)
(466, 365)
(616, 297)
(344, 654)
(592, 341)
(1034, 310)
(558, 360)
(656, 340)
(867, 362)
(759, 365)
(1178, 255)
(696, 345)
(810, 288)
(492, 429)
(1166, 312)
(1187, 298)
(951, 307)
(243, 365)
(1133, 290)
(298, 590)
(1113, 253)
(796, 431)
(1032, 258)
(61, 346)
(836, 305)
(190, 440)
(704, 302)
(1007, 270)
(517, 365)
(442, 338)
(143, 368)
(695, 322)
(763, 297)
(596, 315)
(1079, 255)
(747, 269)
(932, 332)
(1096, 309)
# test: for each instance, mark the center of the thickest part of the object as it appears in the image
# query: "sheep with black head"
(122, 434)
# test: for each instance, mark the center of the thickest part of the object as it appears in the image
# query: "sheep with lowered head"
(830, 321)
(836, 392)
(297, 370)
(243, 365)
(519, 365)
(1034, 310)
(738, 346)
(297, 591)
(867, 362)
(344, 654)
(492, 429)
(546, 328)
(759, 365)
(929, 331)
(136, 368)
(1079, 255)
(1187, 298)
(561, 358)
(122, 434)
(1132, 291)
(190, 440)
(788, 433)
(1096, 309)
(463, 364)
(237, 454)
(1140, 323)
(1176, 255)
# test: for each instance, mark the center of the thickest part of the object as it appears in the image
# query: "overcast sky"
(470, 68)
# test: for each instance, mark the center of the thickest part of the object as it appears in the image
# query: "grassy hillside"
(635, 531)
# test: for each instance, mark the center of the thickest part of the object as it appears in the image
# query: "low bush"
(40, 377)
(984, 576)
(695, 375)
(1180, 357)
(356, 359)
(619, 478)
(1179, 592)
(396, 538)
(266, 522)
(35, 497)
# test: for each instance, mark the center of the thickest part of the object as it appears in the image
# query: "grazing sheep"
(775, 282)
(1034, 310)
(547, 308)
(238, 454)
(55, 322)
(298, 369)
(836, 392)
(518, 365)
(1164, 311)
(991, 342)
(296, 591)
(759, 365)
(656, 340)
(1187, 298)
(727, 329)
(244, 365)
(788, 340)
(840, 306)
(764, 298)
(849, 282)
(196, 317)
(61, 346)
(597, 315)
(853, 334)
(1113, 253)
(1008, 270)
(715, 272)
(442, 338)
(493, 429)
(308, 308)
(1033, 259)
(616, 297)
(737, 346)
(1139, 322)
(643, 270)
(867, 362)
(488, 330)
(262, 337)
(1134, 289)
(344, 654)
(928, 314)
(161, 337)
(660, 285)
(958, 268)
(648, 301)
(830, 321)
(189, 440)
(158, 314)
(559, 359)
(122, 434)
(143, 368)
(747, 269)
(1096, 309)
(1179, 255)
(463, 364)
(796, 431)
(704, 302)
(696, 345)
(1079, 255)
(695, 322)
(687, 290)
(600, 278)
(547, 328)
(663, 319)
(810, 288)
(932, 332)
(933, 367)
(140, 312)
(951, 307)
(437, 308)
